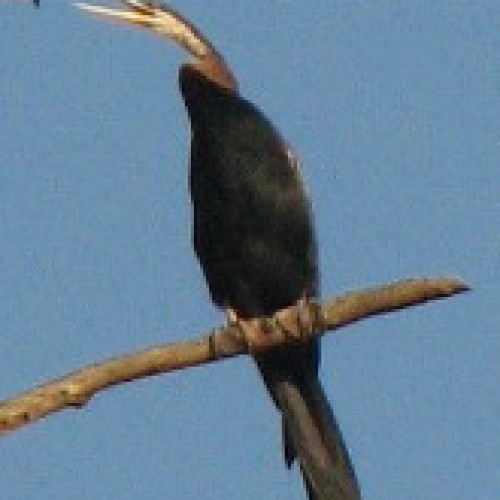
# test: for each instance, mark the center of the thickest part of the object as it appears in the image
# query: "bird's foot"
(297, 322)
(254, 331)
(310, 316)
(301, 320)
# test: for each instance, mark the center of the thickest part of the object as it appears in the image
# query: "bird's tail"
(310, 430)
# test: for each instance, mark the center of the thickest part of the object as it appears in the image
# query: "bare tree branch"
(75, 389)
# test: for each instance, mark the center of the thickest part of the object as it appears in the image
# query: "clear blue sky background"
(394, 108)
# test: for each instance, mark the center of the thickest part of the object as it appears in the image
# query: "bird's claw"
(296, 323)
(307, 320)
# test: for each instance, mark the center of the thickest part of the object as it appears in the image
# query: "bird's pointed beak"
(160, 19)
(136, 15)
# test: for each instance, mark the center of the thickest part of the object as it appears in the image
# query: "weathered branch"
(75, 389)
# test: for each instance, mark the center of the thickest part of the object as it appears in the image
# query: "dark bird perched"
(253, 235)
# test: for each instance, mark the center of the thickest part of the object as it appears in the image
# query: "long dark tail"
(311, 433)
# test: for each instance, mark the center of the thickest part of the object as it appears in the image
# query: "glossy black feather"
(252, 224)
(253, 235)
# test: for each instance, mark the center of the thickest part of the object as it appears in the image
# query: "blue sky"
(393, 107)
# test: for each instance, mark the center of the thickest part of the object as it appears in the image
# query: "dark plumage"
(254, 238)
(252, 225)
(253, 235)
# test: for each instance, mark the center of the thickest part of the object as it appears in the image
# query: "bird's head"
(168, 23)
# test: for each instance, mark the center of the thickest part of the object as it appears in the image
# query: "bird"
(254, 237)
